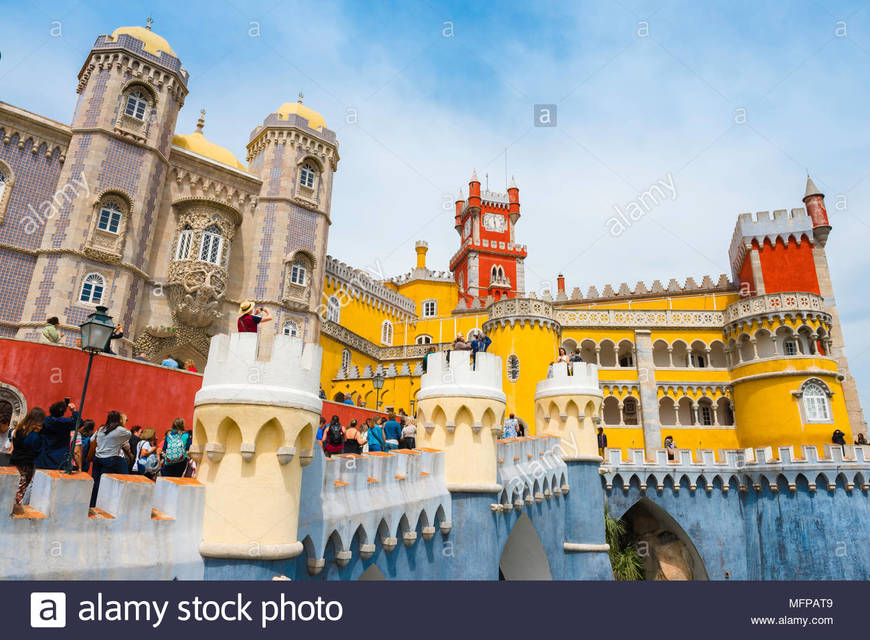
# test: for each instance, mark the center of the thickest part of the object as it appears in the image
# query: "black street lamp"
(96, 332)
(378, 384)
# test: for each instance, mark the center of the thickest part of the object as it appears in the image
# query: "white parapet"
(140, 530)
(451, 374)
(237, 374)
(580, 378)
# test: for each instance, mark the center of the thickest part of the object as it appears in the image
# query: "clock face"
(467, 227)
(494, 222)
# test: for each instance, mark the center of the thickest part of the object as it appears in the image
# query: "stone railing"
(452, 373)
(530, 469)
(639, 319)
(793, 302)
(747, 468)
(383, 496)
(577, 379)
(129, 509)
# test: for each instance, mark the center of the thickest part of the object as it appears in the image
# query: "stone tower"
(461, 411)
(296, 156)
(489, 263)
(567, 404)
(525, 334)
(254, 426)
(101, 223)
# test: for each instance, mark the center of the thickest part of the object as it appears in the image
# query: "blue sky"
(643, 90)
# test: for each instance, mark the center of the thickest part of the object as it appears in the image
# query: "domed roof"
(315, 120)
(197, 143)
(153, 42)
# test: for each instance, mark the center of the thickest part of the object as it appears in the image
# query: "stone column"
(652, 432)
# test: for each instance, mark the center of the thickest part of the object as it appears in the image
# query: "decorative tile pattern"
(95, 104)
(79, 151)
(16, 271)
(35, 182)
(301, 230)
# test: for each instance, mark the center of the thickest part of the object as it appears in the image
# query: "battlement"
(848, 467)
(236, 372)
(380, 497)
(139, 529)
(450, 373)
(530, 469)
(361, 285)
(783, 225)
(580, 378)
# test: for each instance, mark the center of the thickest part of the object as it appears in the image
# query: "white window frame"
(111, 213)
(298, 273)
(816, 403)
(387, 333)
(307, 175)
(705, 415)
(425, 308)
(290, 328)
(345, 359)
(423, 338)
(93, 282)
(790, 344)
(136, 104)
(333, 309)
(211, 244)
(185, 243)
(3, 183)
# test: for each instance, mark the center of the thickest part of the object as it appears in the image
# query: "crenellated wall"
(750, 517)
(140, 530)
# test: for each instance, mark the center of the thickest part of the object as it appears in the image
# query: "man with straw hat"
(250, 318)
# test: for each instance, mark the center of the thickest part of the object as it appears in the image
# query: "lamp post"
(378, 384)
(96, 332)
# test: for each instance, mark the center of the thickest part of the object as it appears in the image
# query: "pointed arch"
(523, 556)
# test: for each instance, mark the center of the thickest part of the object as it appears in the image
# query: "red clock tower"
(489, 263)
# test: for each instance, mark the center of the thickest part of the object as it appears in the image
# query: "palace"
(171, 232)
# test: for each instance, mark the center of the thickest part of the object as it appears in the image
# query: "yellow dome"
(153, 42)
(315, 120)
(197, 143)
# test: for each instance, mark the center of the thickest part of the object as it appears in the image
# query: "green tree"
(624, 558)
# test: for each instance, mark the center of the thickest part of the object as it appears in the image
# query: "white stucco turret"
(567, 404)
(461, 409)
(254, 424)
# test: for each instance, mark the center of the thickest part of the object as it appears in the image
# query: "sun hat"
(246, 307)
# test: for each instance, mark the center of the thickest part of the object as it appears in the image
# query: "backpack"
(175, 450)
(334, 436)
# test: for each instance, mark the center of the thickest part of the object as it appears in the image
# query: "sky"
(732, 103)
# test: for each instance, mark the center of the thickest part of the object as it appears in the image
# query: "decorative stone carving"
(195, 291)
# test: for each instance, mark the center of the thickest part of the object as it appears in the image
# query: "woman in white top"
(106, 450)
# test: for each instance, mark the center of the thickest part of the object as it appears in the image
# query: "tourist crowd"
(44, 440)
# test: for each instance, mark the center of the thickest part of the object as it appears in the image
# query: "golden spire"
(201, 122)
(148, 22)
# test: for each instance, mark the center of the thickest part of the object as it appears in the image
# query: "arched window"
(423, 339)
(307, 174)
(430, 308)
(387, 332)
(817, 407)
(298, 273)
(513, 367)
(136, 105)
(185, 241)
(92, 289)
(333, 309)
(110, 217)
(345, 359)
(290, 328)
(461, 282)
(212, 243)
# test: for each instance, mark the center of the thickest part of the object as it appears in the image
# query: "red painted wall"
(148, 394)
(345, 412)
(789, 267)
(747, 283)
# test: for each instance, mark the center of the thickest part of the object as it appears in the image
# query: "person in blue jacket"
(479, 343)
(55, 434)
